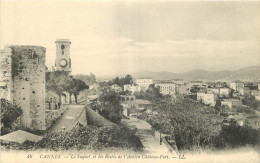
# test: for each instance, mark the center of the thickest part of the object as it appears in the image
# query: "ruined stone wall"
(28, 75)
(53, 115)
(6, 85)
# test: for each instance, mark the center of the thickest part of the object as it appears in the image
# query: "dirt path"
(67, 118)
(144, 131)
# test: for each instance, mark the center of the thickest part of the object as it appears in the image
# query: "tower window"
(62, 47)
(34, 55)
(33, 91)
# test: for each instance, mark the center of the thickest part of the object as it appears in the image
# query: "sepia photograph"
(129, 81)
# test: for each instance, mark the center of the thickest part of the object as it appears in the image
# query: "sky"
(119, 37)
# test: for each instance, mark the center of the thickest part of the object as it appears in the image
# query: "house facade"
(166, 88)
(144, 83)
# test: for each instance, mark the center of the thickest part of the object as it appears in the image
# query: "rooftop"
(20, 136)
(139, 101)
(62, 40)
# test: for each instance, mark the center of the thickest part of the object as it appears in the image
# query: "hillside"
(250, 73)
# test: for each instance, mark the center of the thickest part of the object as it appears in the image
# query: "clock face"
(63, 62)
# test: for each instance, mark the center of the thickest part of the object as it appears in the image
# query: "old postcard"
(130, 81)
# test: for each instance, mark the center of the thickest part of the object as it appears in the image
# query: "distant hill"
(250, 73)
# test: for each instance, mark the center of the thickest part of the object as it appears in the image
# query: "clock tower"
(63, 61)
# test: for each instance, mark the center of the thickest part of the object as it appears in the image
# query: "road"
(67, 119)
(144, 131)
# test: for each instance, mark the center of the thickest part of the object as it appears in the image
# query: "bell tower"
(63, 61)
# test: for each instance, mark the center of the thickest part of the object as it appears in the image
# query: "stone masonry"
(22, 81)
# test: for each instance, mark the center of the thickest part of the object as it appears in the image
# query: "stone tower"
(63, 61)
(24, 82)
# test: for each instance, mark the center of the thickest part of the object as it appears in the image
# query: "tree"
(88, 79)
(153, 94)
(250, 101)
(110, 105)
(71, 84)
(183, 119)
(79, 85)
(57, 81)
(128, 79)
(61, 81)
(194, 89)
(235, 136)
(218, 105)
(9, 112)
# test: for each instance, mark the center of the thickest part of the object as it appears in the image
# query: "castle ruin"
(22, 81)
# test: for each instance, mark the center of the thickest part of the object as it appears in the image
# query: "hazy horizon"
(121, 37)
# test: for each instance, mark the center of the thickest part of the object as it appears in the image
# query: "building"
(166, 88)
(254, 121)
(257, 95)
(231, 103)
(216, 84)
(221, 91)
(22, 82)
(237, 85)
(240, 119)
(116, 88)
(139, 103)
(127, 98)
(6, 82)
(195, 84)
(144, 83)
(132, 88)
(178, 81)
(208, 98)
(63, 60)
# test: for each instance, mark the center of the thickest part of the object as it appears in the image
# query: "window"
(23, 98)
(33, 91)
(34, 54)
(62, 47)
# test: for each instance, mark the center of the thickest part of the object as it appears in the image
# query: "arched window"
(62, 47)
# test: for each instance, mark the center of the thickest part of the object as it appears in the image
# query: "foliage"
(78, 86)
(128, 79)
(9, 112)
(88, 79)
(251, 86)
(57, 81)
(250, 101)
(61, 81)
(236, 136)
(88, 138)
(183, 118)
(17, 66)
(152, 94)
(125, 92)
(193, 127)
(244, 109)
(218, 105)
(110, 105)
(194, 89)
